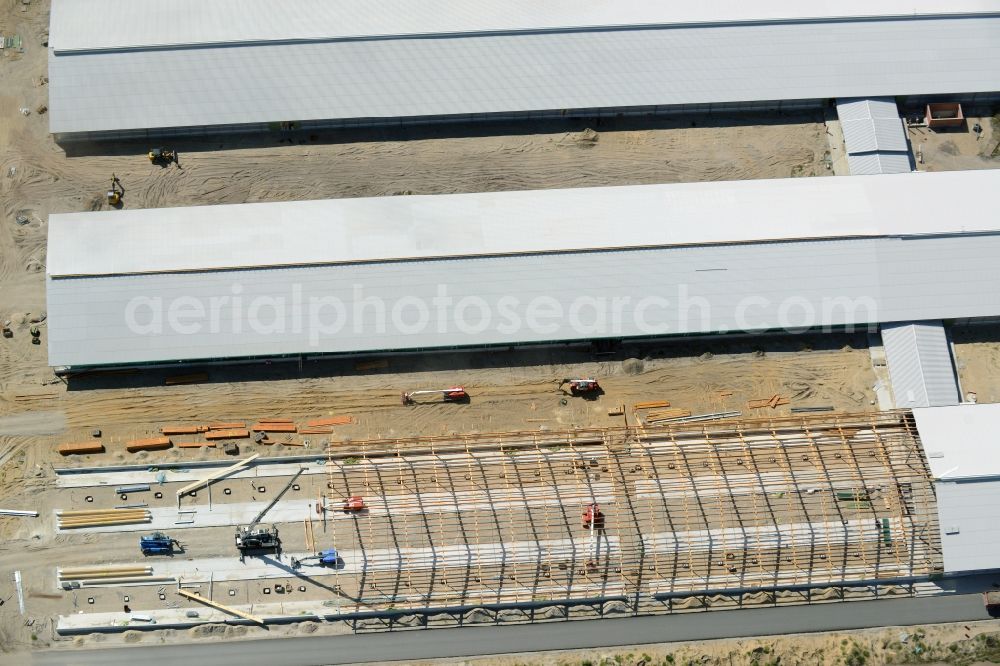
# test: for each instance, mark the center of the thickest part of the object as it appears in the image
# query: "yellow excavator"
(116, 192)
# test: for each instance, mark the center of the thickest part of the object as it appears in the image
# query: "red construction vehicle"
(593, 517)
(354, 504)
(581, 386)
(453, 394)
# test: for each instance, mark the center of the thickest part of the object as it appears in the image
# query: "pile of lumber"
(666, 414)
(96, 575)
(773, 402)
(77, 573)
(81, 448)
(651, 405)
(274, 425)
(150, 444)
(183, 430)
(101, 517)
(325, 426)
(235, 433)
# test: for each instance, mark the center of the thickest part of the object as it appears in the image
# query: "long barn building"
(391, 274)
(121, 68)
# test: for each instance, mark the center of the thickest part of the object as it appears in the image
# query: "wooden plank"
(275, 420)
(316, 431)
(227, 426)
(240, 433)
(332, 421)
(274, 427)
(221, 607)
(216, 475)
(668, 413)
(150, 444)
(651, 405)
(94, 512)
(183, 430)
(773, 402)
(192, 445)
(81, 448)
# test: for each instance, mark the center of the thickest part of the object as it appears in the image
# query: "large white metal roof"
(577, 296)
(498, 72)
(501, 223)
(962, 441)
(970, 531)
(109, 24)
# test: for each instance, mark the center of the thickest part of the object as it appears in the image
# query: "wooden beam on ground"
(81, 448)
(217, 605)
(216, 475)
(310, 535)
(236, 433)
(331, 421)
(226, 426)
(271, 426)
(183, 430)
(149, 444)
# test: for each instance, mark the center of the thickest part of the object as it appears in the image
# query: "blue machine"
(324, 558)
(156, 543)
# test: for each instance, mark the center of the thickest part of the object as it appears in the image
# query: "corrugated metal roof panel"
(413, 227)
(511, 73)
(84, 24)
(868, 164)
(970, 531)
(871, 125)
(534, 298)
(920, 364)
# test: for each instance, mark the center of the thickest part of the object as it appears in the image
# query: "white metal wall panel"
(970, 531)
(920, 364)
(414, 227)
(496, 73)
(716, 289)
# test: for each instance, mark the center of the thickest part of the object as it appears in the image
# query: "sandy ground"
(974, 643)
(960, 148)
(977, 355)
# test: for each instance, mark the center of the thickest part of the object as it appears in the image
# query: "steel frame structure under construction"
(709, 514)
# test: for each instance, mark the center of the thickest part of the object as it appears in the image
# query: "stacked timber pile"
(773, 402)
(150, 444)
(81, 448)
(275, 425)
(235, 433)
(95, 575)
(324, 426)
(666, 414)
(101, 517)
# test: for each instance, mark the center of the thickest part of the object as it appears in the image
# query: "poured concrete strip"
(220, 569)
(295, 510)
